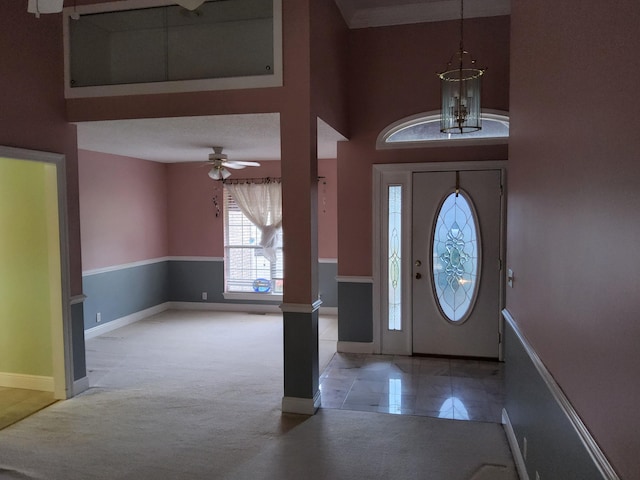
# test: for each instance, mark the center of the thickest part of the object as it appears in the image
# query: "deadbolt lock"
(418, 263)
(418, 276)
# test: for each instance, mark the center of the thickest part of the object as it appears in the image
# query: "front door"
(456, 258)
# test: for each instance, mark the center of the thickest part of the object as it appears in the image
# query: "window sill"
(264, 297)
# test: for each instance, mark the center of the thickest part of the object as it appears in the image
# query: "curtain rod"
(236, 181)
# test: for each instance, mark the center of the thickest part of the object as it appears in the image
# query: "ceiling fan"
(219, 164)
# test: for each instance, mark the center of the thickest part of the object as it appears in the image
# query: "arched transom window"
(423, 130)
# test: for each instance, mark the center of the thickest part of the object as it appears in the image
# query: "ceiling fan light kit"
(219, 173)
(220, 164)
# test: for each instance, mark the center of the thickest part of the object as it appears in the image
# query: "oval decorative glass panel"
(456, 257)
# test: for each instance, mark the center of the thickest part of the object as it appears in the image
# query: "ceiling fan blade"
(237, 163)
(234, 165)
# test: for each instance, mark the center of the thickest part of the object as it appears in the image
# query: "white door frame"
(62, 345)
(385, 175)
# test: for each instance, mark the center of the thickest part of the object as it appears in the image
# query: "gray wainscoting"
(189, 278)
(356, 314)
(554, 449)
(77, 341)
(116, 294)
(328, 286)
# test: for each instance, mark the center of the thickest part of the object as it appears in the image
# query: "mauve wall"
(32, 108)
(194, 230)
(123, 209)
(329, 64)
(573, 200)
(393, 75)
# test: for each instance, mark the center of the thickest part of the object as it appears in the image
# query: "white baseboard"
(225, 307)
(126, 320)
(199, 306)
(355, 347)
(514, 446)
(301, 406)
(80, 386)
(27, 382)
(328, 310)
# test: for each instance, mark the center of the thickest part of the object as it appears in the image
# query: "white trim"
(596, 454)
(514, 446)
(301, 307)
(197, 306)
(346, 279)
(441, 166)
(80, 385)
(355, 347)
(260, 297)
(27, 382)
(123, 266)
(124, 321)
(230, 83)
(301, 406)
(224, 307)
(391, 342)
(149, 261)
(77, 299)
(327, 260)
(12, 153)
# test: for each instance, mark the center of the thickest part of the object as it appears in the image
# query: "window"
(394, 257)
(423, 130)
(247, 270)
(456, 254)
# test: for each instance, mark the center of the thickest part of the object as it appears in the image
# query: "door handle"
(418, 276)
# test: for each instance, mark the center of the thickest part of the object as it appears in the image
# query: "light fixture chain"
(461, 27)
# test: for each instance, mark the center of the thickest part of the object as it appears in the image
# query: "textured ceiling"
(189, 139)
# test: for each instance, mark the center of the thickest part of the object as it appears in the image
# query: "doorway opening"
(34, 365)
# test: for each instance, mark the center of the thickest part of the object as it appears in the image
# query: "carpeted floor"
(196, 395)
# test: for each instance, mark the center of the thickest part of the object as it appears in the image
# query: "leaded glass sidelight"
(394, 257)
(456, 254)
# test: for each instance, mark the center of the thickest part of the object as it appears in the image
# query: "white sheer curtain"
(261, 203)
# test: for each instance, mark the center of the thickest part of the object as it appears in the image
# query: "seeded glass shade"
(460, 91)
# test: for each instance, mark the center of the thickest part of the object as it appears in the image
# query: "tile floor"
(433, 387)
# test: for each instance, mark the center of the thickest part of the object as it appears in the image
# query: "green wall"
(25, 253)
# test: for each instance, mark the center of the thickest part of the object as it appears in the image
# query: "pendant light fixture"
(460, 88)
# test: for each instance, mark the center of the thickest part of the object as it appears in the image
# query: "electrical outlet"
(98, 317)
(510, 278)
(524, 448)
(204, 295)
